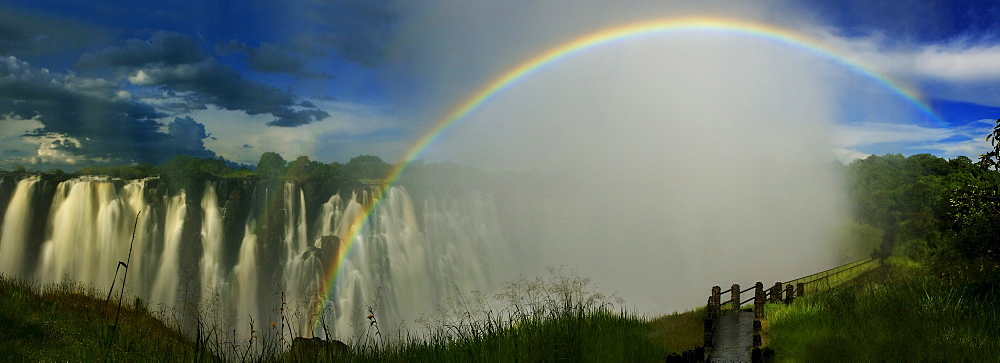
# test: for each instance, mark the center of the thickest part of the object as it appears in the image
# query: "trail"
(733, 337)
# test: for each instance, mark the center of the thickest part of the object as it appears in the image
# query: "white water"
(245, 279)
(14, 229)
(165, 283)
(403, 264)
(212, 276)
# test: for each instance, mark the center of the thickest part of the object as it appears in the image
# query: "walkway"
(733, 337)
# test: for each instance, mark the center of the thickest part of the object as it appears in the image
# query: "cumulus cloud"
(961, 68)
(173, 62)
(89, 120)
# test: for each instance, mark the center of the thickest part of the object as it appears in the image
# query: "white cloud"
(876, 138)
(871, 133)
(961, 69)
(846, 156)
(352, 129)
(957, 63)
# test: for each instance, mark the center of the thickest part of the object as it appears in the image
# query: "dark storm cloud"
(173, 62)
(63, 106)
(358, 29)
(209, 82)
(271, 58)
(187, 136)
(24, 33)
(164, 48)
(105, 125)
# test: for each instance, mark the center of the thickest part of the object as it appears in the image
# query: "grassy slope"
(66, 323)
(898, 313)
(580, 335)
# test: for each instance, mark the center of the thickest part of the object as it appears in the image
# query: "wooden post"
(757, 328)
(736, 296)
(800, 289)
(709, 332)
(758, 301)
(789, 293)
(776, 292)
(716, 299)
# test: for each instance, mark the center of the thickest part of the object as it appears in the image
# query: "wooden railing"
(780, 292)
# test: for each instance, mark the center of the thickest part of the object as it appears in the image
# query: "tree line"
(928, 209)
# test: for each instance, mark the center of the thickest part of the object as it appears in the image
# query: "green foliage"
(186, 172)
(977, 221)
(67, 322)
(858, 240)
(136, 171)
(913, 199)
(368, 168)
(271, 165)
(976, 209)
(991, 159)
(562, 318)
(902, 313)
(557, 319)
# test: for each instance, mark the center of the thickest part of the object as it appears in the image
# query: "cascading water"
(404, 262)
(212, 276)
(14, 233)
(245, 277)
(166, 280)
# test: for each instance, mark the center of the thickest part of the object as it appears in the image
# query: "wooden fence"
(780, 292)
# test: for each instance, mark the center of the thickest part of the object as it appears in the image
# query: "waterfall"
(245, 277)
(14, 231)
(405, 260)
(166, 282)
(212, 277)
(85, 235)
(303, 273)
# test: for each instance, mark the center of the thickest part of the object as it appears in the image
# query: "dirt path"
(733, 337)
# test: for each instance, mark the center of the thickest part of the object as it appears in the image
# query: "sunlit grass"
(68, 322)
(555, 320)
(898, 313)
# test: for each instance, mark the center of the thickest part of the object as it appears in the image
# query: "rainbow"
(660, 27)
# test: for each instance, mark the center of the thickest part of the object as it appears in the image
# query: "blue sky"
(117, 82)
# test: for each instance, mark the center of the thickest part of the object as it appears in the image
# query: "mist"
(657, 166)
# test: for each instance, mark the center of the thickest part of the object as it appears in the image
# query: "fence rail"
(780, 292)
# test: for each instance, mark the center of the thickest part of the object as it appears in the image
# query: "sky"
(113, 83)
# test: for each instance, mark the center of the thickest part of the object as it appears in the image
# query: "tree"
(368, 167)
(991, 159)
(271, 165)
(299, 168)
(976, 215)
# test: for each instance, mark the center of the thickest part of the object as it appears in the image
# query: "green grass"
(68, 323)
(572, 335)
(679, 332)
(554, 320)
(900, 312)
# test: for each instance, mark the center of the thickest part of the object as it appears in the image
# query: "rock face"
(312, 349)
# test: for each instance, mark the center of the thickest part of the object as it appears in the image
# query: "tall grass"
(560, 318)
(69, 322)
(898, 313)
